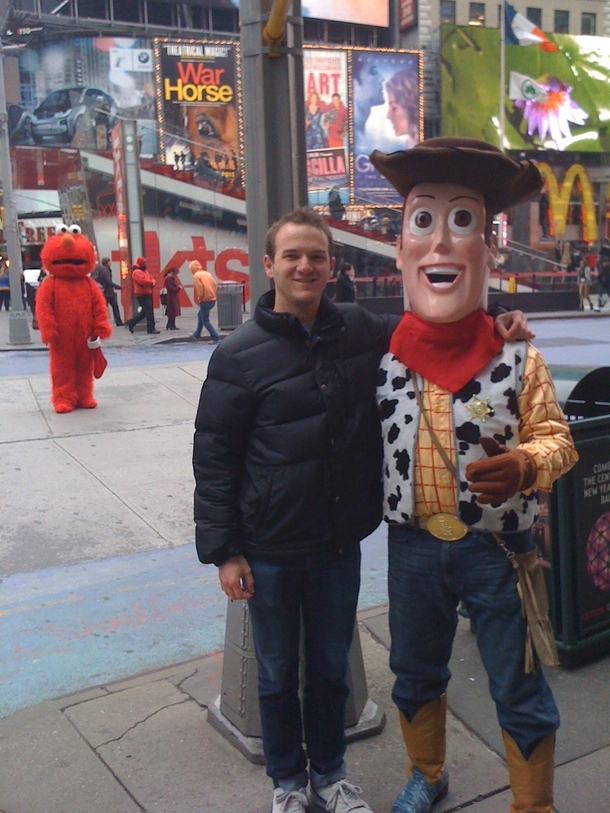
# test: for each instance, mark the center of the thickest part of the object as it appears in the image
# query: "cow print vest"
(487, 405)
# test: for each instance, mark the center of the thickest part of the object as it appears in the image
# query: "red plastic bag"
(99, 360)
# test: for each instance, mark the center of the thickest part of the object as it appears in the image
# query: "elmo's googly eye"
(62, 229)
(74, 229)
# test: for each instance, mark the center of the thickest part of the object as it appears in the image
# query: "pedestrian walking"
(143, 286)
(103, 277)
(173, 288)
(5, 288)
(205, 288)
(345, 289)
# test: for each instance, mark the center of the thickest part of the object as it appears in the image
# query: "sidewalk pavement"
(187, 322)
(121, 337)
(144, 743)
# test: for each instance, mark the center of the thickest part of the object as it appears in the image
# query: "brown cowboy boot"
(425, 738)
(531, 780)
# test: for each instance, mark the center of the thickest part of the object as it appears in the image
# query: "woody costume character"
(471, 430)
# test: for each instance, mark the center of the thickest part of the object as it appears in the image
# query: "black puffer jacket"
(287, 453)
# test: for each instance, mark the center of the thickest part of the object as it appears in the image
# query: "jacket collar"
(328, 325)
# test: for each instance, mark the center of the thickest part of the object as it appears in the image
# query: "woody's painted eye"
(462, 220)
(421, 222)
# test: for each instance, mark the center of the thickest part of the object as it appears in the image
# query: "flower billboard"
(552, 101)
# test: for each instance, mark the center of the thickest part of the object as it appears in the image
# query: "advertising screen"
(198, 105)
(386, 96)
(552, 101)
(73, 92)
(362, 12)
(326, 124)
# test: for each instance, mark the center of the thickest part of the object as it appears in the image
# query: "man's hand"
(513, 326)
(236, 578)
(502, 474)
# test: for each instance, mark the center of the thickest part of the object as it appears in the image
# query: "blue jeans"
(427, 579)
(203, 320)
(323, 590)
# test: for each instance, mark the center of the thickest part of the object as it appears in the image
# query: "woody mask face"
(442, 252)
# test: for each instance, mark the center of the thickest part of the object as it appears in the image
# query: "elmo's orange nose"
(67, 241)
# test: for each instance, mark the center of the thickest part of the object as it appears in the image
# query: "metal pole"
(274, 119)
(502, 119)
(19, 331)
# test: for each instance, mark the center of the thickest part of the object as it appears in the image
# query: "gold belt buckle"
(446, 527)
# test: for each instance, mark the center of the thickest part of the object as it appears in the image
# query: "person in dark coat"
(345, 289)
(173, 287)
(103, 277)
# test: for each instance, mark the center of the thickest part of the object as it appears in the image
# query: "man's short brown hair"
(300, 217)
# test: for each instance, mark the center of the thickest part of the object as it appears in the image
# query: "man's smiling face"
(300, 269)
(442, 252)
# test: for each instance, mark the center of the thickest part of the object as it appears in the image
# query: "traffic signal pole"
(274, 123)
(19, 331)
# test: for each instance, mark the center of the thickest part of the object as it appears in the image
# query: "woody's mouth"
(442, 276)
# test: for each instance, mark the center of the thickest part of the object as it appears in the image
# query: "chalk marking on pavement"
(26, 608)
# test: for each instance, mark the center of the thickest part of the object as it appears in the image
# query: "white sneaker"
(340, 797)
(289, 801)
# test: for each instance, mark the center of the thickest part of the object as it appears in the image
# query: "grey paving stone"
(46, 767)
(110, 717)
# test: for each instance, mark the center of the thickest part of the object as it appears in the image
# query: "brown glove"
(502, 474)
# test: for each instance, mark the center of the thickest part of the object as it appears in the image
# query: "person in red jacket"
(143, 285)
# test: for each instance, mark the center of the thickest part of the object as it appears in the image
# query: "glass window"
(534, 15)
(225, 19)
(92, 8)
(49, 6)
(588, 24)
(127, 11)
(313, 30)
(160, 14)
(562, 22)
(447, 11)
(476, 14)
(338, 34)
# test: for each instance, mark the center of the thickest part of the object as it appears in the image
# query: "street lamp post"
(19, 331)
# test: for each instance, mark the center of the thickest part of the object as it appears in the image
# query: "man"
(143, 286)
(471, 427)
(287, 461)
(205, 288)
(103, 277)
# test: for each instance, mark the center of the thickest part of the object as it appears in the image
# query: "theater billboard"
(198, 103)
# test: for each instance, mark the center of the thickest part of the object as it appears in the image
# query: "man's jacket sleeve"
(222, 430)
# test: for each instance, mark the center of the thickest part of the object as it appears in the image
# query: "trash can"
(229, 299)
(574, 528)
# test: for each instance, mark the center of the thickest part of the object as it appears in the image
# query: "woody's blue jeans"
(427, 580)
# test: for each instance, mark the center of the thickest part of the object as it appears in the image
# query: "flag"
(520, 31)
(525, 88)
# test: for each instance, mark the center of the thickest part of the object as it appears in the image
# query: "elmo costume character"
(71, 310)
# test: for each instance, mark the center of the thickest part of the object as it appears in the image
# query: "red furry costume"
(70, 309)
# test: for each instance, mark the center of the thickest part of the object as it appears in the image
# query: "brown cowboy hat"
(465, 161)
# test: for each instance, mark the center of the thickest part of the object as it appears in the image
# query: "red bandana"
(448, 354)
